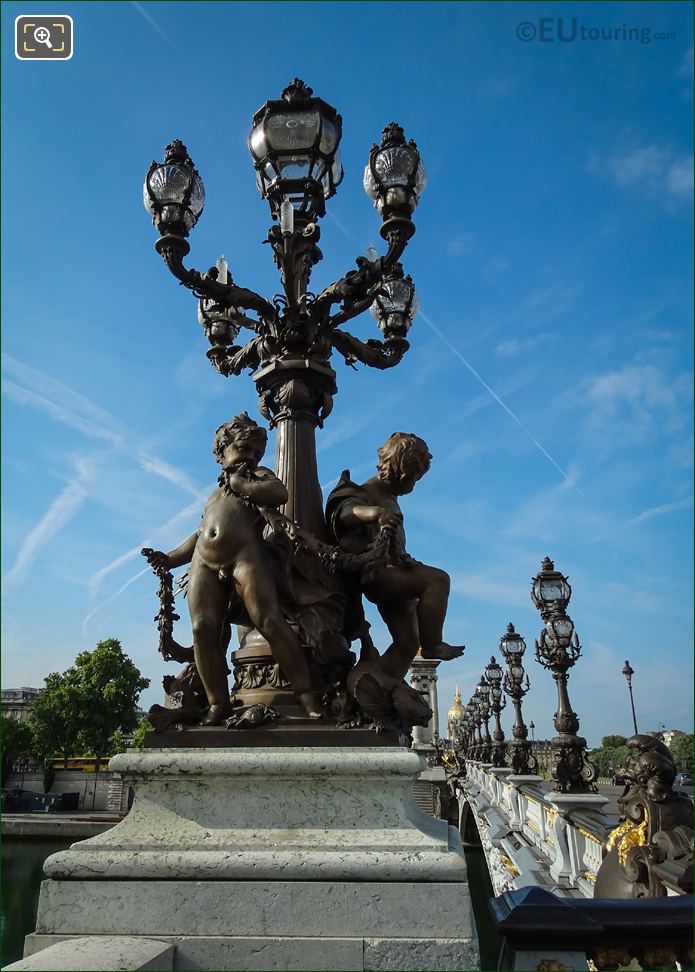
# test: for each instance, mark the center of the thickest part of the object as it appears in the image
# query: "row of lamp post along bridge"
(557, 649)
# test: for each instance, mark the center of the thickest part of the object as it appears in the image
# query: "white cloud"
(24, 396)
(509, 349)
(490, 587)
(656, 171)
(60, 512)
(662, 510)
(461, 244)
(163, 531)
(686, 68)
(632, 404)
(171, 473)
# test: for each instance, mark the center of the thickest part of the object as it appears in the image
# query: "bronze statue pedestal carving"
(275, 858)
(258, 679)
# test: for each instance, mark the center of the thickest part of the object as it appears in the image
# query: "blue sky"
(549, 370)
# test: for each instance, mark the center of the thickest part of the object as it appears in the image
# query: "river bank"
(56, 826)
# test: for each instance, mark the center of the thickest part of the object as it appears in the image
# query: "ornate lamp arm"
(173, 249)
(376, 354)
(353, 287)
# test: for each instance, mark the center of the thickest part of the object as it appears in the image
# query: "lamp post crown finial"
(392, 135)
(511, 629)
(176, 151)
(297, 91)
(547, 564)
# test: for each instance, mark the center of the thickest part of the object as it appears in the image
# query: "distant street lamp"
(628, 672)
(483, 692)
(493, 673)
(516, 685)
(532, 727)
(474, 708)
(557, 649)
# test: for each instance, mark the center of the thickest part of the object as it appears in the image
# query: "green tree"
(15, 742)
(109, 686)
(139, 734)
(54, 718)
(612, 742)
(118, 743)
(683, 753)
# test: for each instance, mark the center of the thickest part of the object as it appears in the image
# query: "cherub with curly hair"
(411, 597)
(227, 558)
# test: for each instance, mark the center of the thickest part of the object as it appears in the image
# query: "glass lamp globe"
(294, 145)
(394, 176)
(550, 590)
(396, 304)
(173, 192)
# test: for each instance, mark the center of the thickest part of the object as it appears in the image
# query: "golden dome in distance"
(457, 710)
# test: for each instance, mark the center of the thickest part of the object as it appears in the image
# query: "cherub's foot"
(443, 651)
(312, 704)
(217, 714)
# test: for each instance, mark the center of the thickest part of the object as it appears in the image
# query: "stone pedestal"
(284, 858)
(423, 678)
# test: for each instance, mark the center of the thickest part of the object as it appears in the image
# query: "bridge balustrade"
(533, 837)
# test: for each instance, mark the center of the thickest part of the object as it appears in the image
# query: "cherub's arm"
(262, 487)
(354, 513)
(183, 553)
(175, 558)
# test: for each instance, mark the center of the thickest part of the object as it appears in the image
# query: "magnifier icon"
(42, 35)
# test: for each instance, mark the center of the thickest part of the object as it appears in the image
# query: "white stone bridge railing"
(531, 835)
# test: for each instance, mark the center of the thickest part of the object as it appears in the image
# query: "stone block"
(256, 908)
(433, 954)
(332, 814)
(98, 953)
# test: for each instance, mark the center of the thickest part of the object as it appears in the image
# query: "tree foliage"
(139, 734)
(609, 758)
(683, 753)
(109, 686)
(612, 742)
(15, 742)
(54, 718)
(83, 707)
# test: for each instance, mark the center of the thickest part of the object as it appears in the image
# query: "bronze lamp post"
(628, 672)
(493, 674)
(295, 147)
(483, 692)
(516, 685)
(558, 649)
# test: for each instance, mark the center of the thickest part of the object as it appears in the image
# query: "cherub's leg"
(413, 602)
(208, 599)
(431, 611)
(401, 620)
(260, 599)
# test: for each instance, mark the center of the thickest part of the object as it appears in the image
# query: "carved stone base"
(271, 859)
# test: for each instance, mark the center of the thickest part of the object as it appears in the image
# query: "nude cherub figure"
(411, 597)
(226, 557)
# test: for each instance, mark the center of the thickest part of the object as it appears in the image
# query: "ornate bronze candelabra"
(558, 649)
(493, 674)
(294, 143)
(516, 685)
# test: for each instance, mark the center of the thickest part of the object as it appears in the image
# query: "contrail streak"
(494, 394)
